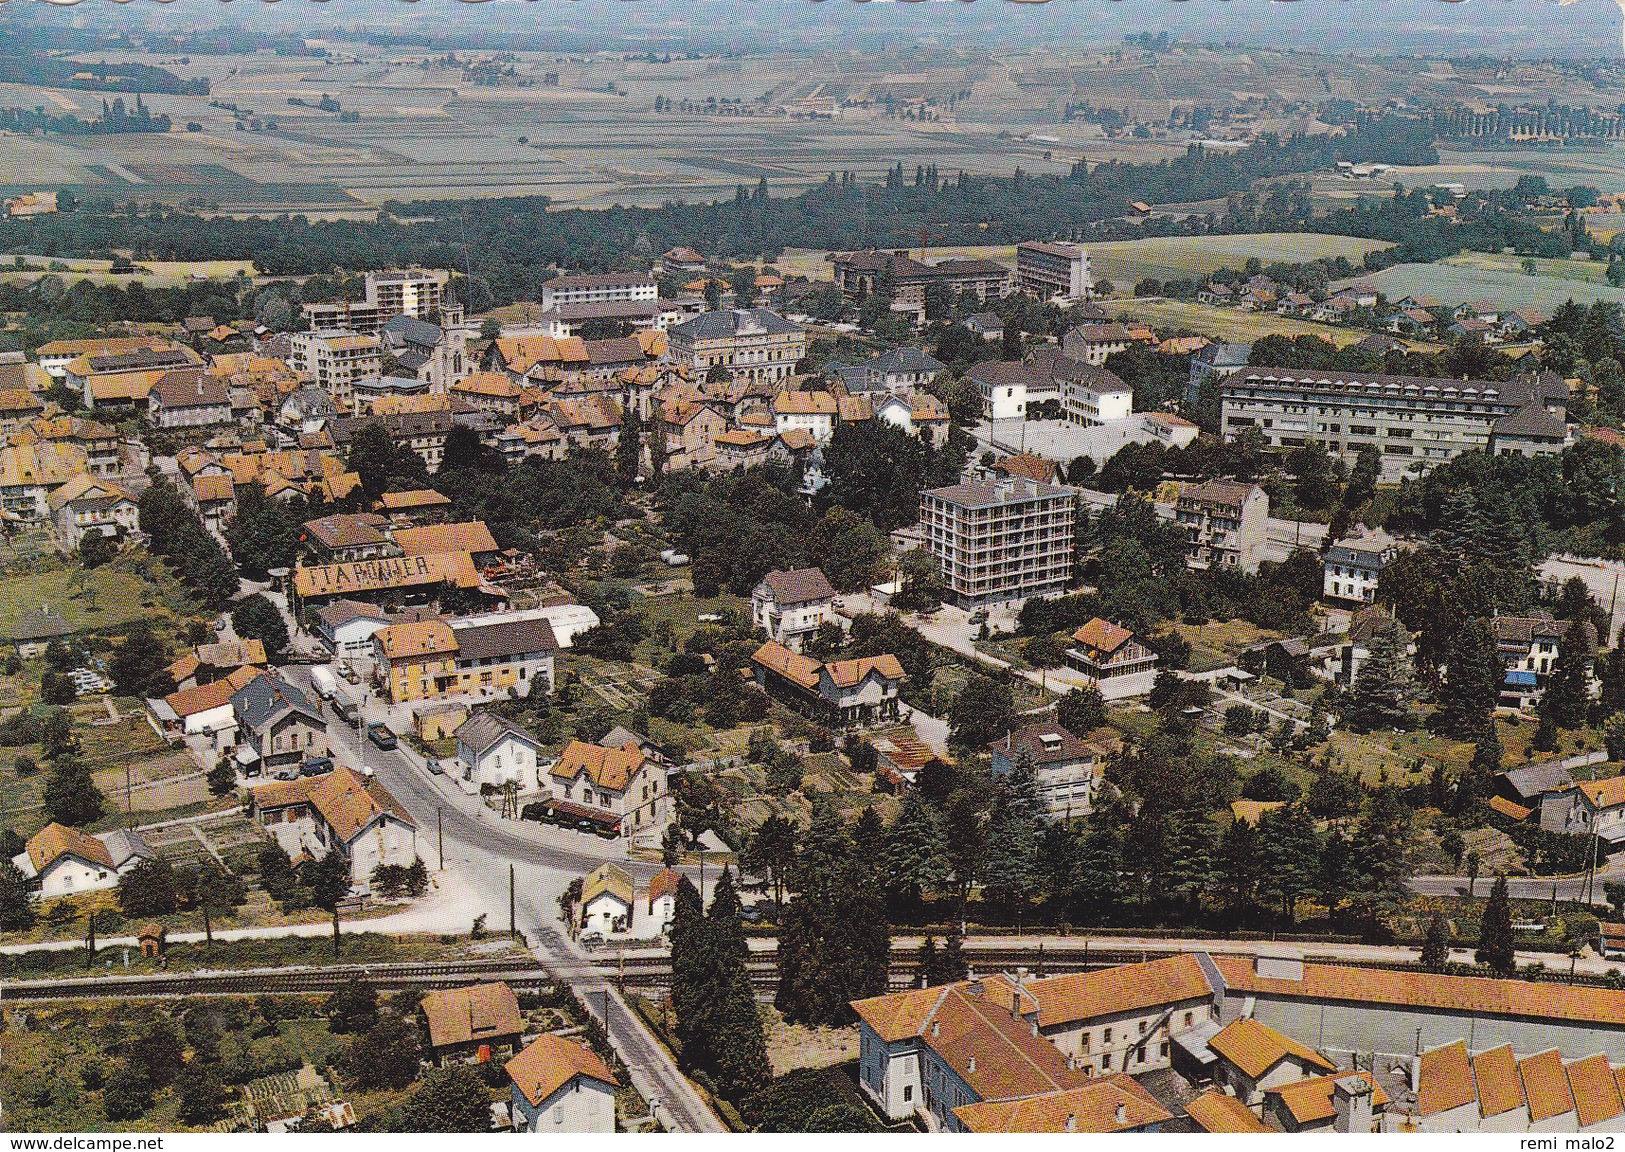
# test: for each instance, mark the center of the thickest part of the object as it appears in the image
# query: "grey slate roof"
(398, 330)
(732, 322)
(483, 729)
(1536, 780)
(264, 698)
(504, 639)
(123, 844)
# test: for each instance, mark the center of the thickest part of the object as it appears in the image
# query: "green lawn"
(1509, 288)
(116, 597)
(1232, 324)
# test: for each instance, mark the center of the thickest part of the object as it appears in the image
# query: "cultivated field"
(1453, 283)
(1231, 324)
(152, 273)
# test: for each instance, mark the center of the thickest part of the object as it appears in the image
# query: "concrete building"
(860, 274)
(63, 861)
(1414, 422)
(335, 359)
(1048, 270)
(1215, 360)
(1093, 396)
(1117, 661)
(495, 654)
(410, 292)
(1225, 522)
(1008, 387)
(1528, 646)
(900, 370)
(1000, 540)
(1595, 807)
(1350, 570)
(1092, 343)
(598, 288)
(347, 627)
(354, 315)
(561, 1085)
(752, 344)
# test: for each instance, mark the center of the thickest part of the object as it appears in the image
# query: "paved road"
(485, 851)
(1518, 887)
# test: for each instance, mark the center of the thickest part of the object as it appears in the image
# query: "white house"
(810, 412)
(661, 899)
(561, 1085)
(341, 812)
(87, 505)
(623, 788)
(608, 901)
(202, 711)
(348, 626)
(494, 750)
(64, 861)
(791, 606)
(1350, 570)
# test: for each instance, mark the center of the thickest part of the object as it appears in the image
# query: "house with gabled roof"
(608, 900)
(791, 606)
(63, 861)
(1594, 807)
(1066, 767)
(1113, 658)
(1496, 1090)
(472, 1025)
(561, 1085)
(660, 899)
(278, 726)
(620, 788)
(1254, 1058)
(340, 811)
(493, 750)
(846, 693)
(1351, 1101)
(87, 505)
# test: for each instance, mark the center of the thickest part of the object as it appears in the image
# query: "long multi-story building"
(1002, 539)
(599, 288)
(1414, 421)
(860, 274)
(336, 359)
(406, 293)
(1048, 270)
(756, 346)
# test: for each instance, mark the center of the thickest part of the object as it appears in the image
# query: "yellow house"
(417, 660)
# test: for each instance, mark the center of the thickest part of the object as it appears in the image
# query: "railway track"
(444, 974)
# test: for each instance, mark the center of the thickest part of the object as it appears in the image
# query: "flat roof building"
(1001, 539)
(1047, 270)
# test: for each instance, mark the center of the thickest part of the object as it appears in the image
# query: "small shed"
(153, 939)
(440, 721)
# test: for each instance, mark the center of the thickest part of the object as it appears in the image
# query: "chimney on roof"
(1071, 1122)
(1121, 1115)
(971, 1065)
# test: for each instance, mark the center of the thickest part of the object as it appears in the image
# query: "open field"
(152, 273)
(1454, 283)
(119, 598)
(1582, 271)
(1162, 258)
(1234, 324)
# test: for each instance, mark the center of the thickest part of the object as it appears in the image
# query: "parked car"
(346, 710)
(380, 735)
(434, 766)
(351, 675)
(316, 766)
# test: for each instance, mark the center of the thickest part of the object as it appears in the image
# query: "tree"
(201, 1094)
(771, 851)
(329, 880)
(1081, 710)
(1495, 942)
(158, 1052)
(71, 796)
(353, 1008)
(1382, 688)
(1289, 857)
(738, 1051)
(1436, 947)
(629, 446)
(690, 972)
(96, 550)
(127, 1093)
(222, 778)
(850, 550)
(387, 1055)
(449, 1100)
(1471, 687)
(56, 734)
(914, 861)
(1015, 828)
(983, 712)
(257, 618)
(149, 889)
(375, 459)
(276, 872)
(1568, 688)
(139, 666)
(16, 904)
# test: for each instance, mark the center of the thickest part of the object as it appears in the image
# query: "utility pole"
(440, 836)
(129, 813)
(512, 933)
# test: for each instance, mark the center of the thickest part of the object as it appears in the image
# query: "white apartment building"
(602, 288)
(413, 292)
(1415, 422)
(1000, 540)
(1048, 270)
(335, 360)
(1350, 570)
(1099, 397)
